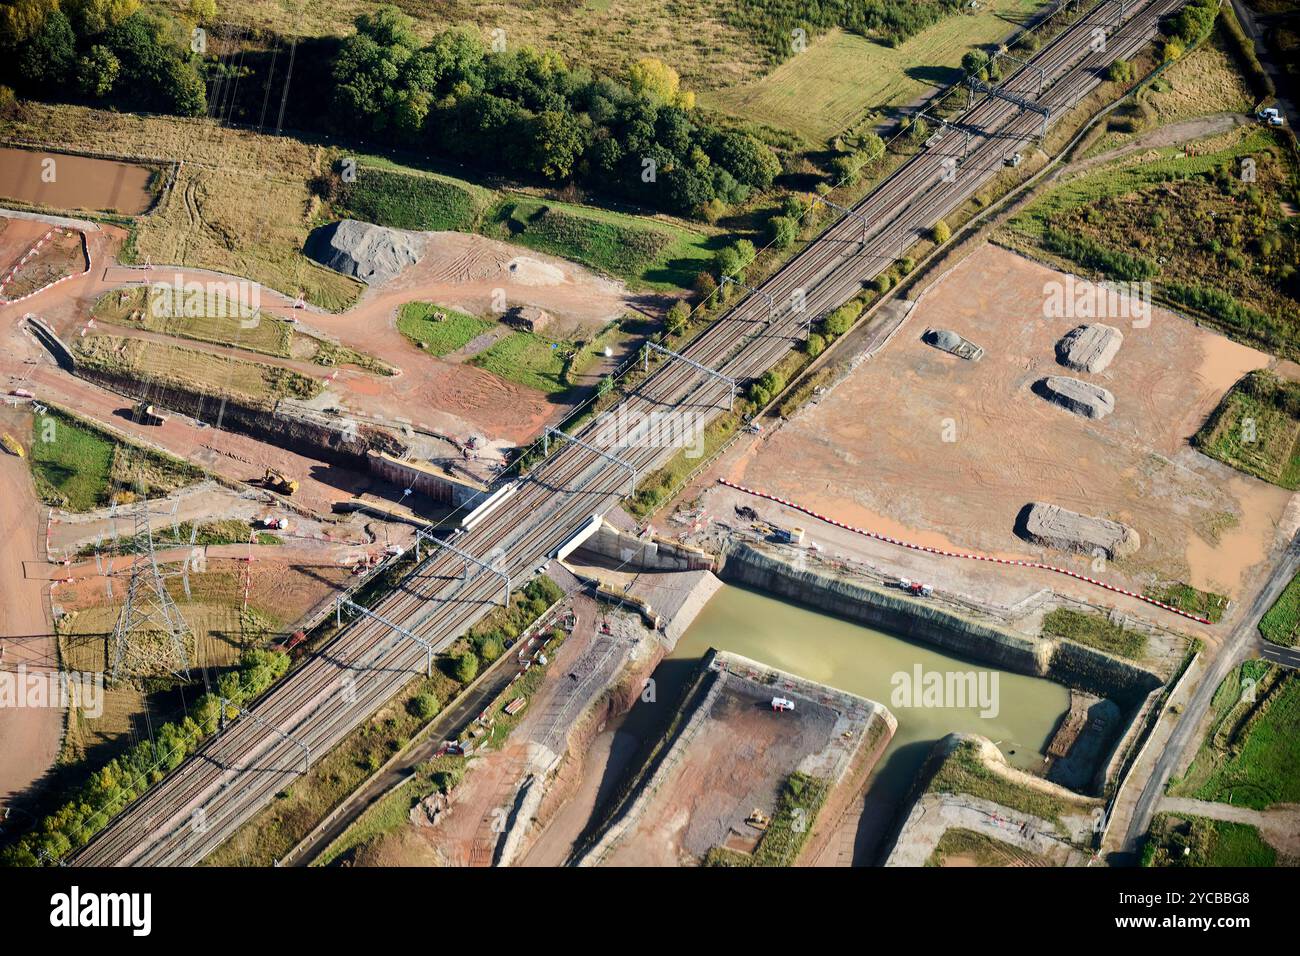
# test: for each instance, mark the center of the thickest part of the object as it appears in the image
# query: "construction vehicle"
(1271, 116)
(146, 414)
(758, 819)
(278, 482)
(916, 587)
(11, 445)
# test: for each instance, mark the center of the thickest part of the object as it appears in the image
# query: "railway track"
(195, 809)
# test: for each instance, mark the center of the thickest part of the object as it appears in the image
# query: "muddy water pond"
(64, 181)
(865, 661)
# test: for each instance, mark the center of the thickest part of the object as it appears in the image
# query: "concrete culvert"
(1082, 398)
(373, 254)
(1089, 348)
(1056, 527)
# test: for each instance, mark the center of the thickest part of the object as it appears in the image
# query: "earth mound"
(1055, 527)
(1082, 398)
(1089, 348)
(373, 254)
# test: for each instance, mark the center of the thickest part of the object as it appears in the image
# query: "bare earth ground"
(872, 451)
(733, 756)
(583, 668)
(936, 813)
(29, 736)
(440, 396)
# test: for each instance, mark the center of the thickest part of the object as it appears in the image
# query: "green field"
(528, 359)
(1211, 243)
(417, 322)
(1204, 604)
(1198, 841)
(258, 333)
(1281, 623)
(1251, 755)
(191, 370)
(405, 198)
(642, 252)
(1094, 630)
(79, 467)
(1255, 429)
(842, 76)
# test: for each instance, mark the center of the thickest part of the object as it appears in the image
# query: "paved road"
(1242, 643)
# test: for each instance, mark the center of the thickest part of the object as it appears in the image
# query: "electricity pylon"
(151, 635)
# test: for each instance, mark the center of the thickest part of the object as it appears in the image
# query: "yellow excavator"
(278, 482)
(11, 445)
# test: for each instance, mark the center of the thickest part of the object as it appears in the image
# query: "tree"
(489, 647)
(1121, 71)
(975, 63)
(941, 233)
(423, 706)
(558, 140)
(705, 287)
(782, 231)
(22, 19)
(97, 71)
(8, 102)
(464, 667)
(90, 18)
(48, 58)
(751, 162)
(183, 89)
(678, 315)
(655, 80)
(203, 11)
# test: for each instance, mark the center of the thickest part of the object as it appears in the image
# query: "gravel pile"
(373, 254)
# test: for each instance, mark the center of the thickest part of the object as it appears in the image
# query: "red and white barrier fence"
(961, 554)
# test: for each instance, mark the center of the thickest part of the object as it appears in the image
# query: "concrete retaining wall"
(1065, 662)
(441, 488)
(651, 554)
(888, 611)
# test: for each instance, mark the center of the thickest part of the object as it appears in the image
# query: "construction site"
(977, 459)
(753, 759)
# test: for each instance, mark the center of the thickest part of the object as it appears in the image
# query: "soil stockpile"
(951, 342)
(1055, 527)
(1082, 398)
(373, 254)
(1089, 348)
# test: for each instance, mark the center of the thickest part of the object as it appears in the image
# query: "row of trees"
(776, 24)
(111, 788)
(526, 113)
(103, 50)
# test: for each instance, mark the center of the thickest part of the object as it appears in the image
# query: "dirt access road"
(29, 736)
